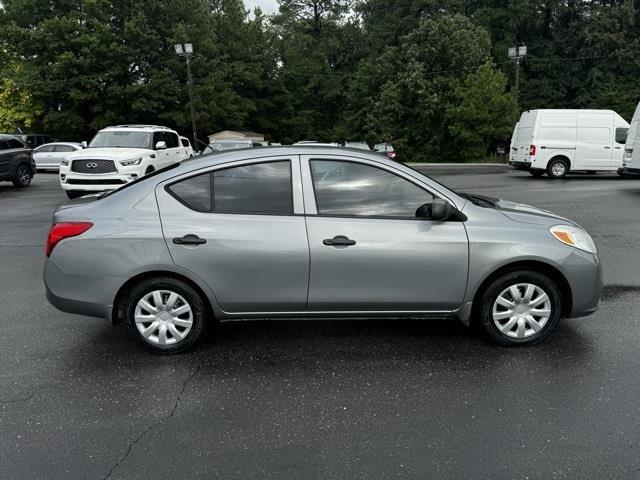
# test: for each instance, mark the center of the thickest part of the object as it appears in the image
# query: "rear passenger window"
(194, 192)
(64, 148)
(621, 135)
(261, 188)
(13, 143)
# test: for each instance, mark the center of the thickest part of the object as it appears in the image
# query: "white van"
(560, 141)
(631, 160)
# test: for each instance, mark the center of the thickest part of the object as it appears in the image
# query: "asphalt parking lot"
(326, 399)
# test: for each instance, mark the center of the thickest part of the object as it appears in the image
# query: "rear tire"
(23, 176)
(536, 173)
(165, 315)
(557, 168)
(520, 308)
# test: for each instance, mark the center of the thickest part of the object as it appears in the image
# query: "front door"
(368, 250)
(240, 228)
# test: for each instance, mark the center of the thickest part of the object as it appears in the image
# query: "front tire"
(520, 308)
(23, 176)
(165, 315)
(557, 168)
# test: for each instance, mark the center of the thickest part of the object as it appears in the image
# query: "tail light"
(532, 150)
(391, 154)
(60, 231)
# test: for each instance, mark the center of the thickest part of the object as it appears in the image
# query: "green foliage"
(430, 76)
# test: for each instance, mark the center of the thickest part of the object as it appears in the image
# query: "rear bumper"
(520, 165)
(629, 171)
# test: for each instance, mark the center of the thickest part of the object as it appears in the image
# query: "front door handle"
(339, 241)
(189, 239)
(607, 147)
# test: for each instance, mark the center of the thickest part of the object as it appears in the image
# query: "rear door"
(5, 158)
(523, 137)
(251, 246)
(368, 250)
(594, 142)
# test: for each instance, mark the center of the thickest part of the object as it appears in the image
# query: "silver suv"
(313, 232)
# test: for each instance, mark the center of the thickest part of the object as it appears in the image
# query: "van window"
(621, 135)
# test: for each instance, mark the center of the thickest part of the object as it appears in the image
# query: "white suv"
(118, 155)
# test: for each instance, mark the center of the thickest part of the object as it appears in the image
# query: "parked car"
(223, 145)
(631, 160)
(119, 155)
(36, 139)
(358, 145)
(16, 161)
(313, 232)
(387, 149)
(557, 142)
(188, 149)
(49, 155)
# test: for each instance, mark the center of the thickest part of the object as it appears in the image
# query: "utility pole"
(186, 51)
(517, 54)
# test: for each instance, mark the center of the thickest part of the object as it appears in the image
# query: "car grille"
(93, 166)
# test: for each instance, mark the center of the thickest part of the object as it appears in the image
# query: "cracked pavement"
(325, 399)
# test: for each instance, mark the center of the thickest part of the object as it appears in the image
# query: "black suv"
(16, 161)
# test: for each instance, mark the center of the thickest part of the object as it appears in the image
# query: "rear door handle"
(189, 239)
(339, 241)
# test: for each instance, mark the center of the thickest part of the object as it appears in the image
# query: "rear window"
(621, 135)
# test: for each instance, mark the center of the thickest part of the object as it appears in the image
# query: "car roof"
(72, 144)
(137, 127)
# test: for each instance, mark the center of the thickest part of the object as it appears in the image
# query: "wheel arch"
(533, 265)
(561, 156)
(117, 312)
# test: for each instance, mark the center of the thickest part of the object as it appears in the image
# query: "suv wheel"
(23, 176)
(165, 315)
(521, 307)
(557, 168)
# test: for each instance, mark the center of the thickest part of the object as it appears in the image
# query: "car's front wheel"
(165, 315)
(23, 176)
(520, 307)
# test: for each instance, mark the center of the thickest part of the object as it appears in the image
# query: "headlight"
(574, 237)
(134, 161)
(64, 163)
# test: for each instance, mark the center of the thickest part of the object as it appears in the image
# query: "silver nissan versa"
(313, 232)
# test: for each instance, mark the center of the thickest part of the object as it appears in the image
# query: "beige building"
(234, 135)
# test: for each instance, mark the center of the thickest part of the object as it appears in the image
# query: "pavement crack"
(24, 399)
(154, 425)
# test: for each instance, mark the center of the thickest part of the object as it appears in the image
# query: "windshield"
(123, 139)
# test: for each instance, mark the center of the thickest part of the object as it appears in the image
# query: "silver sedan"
(49, 155)
(314, 232)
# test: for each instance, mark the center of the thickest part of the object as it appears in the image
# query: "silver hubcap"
(163, 317)
(558, 169)
(522, 310)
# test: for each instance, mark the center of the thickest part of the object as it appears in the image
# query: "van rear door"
(523, 137)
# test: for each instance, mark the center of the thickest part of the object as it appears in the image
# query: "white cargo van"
(556, 142)
(631, 160)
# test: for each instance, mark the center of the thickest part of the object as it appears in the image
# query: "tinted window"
(171, 139)
(185, 142)
(262, 188)
(158, 137)
(64, 148)
(355, 189)
(44, 149)
(194, 192)
(13, 143)
(3, 145)
(621, 135)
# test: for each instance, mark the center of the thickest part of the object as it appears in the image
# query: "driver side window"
(357, 189)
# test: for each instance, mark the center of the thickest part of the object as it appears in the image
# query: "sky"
(267, 6)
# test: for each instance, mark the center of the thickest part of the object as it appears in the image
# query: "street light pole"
(186, 51)
(517, 54)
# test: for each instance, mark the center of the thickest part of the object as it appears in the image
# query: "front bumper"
(583, 271)
(94, 183)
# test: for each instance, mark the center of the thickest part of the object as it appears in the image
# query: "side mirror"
(438, 210)
(161, 145)
(84, 144)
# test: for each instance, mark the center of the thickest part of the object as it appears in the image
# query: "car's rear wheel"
(557, 168)
(165, 315)
(520, 307)
(23, 176)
